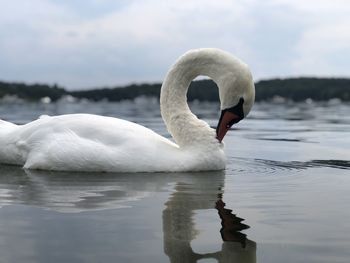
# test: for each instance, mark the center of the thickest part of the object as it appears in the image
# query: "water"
(287, 179)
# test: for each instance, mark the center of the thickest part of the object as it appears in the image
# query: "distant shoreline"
(295, 89)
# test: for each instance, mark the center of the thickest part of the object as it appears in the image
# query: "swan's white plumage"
(84, 142)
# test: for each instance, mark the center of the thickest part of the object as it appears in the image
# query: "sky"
(82, 44)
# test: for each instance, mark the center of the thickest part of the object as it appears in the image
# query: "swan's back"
(82, 142)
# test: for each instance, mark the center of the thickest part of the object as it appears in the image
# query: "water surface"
(284, 196)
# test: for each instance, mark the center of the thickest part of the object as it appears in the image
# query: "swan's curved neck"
(185, 127)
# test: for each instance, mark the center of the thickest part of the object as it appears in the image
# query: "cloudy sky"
(93, 43)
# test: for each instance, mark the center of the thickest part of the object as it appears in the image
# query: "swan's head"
(237, 94)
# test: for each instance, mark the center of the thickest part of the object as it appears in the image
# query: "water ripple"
(264, 166)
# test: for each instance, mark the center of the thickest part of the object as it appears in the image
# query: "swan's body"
(84, 142)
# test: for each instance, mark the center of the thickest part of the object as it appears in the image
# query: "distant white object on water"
(45, 100)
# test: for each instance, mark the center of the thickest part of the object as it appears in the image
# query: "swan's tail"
(9, 153)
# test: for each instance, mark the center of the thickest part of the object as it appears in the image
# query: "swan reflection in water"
(192, 192)
(204, 192)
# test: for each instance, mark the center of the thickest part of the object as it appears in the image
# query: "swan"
(91, 143)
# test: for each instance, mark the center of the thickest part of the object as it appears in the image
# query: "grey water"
(284, 197)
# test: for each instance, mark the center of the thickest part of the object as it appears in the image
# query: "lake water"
(284, 197)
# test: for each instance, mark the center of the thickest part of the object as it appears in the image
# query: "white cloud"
(146, 33)
(324, 50)
(323, 45)
(58, 41)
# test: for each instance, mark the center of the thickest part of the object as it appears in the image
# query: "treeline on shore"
(296, 89)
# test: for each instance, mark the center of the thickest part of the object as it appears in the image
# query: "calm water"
(284, 196)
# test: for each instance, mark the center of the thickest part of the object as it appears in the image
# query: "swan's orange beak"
(226, 121)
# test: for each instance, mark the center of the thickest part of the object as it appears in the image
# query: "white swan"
(83, 142)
